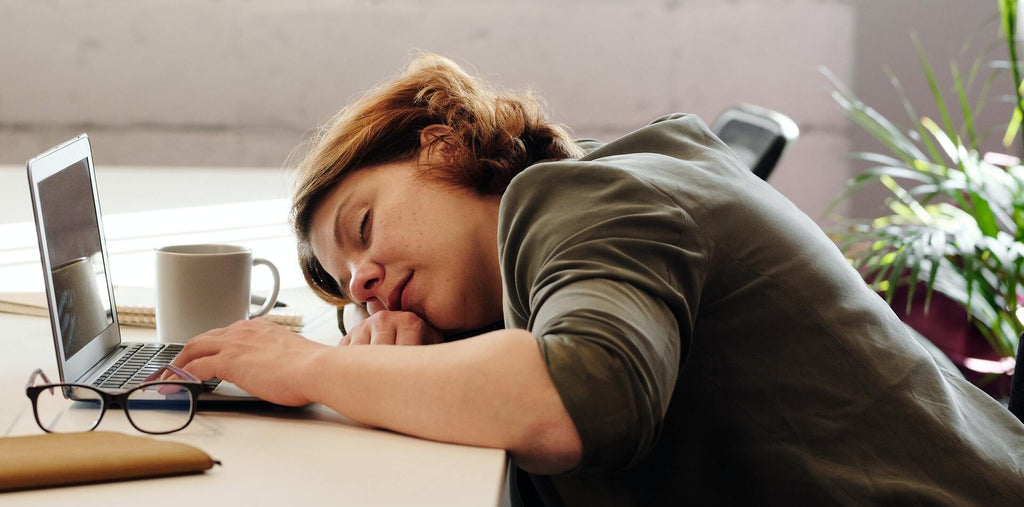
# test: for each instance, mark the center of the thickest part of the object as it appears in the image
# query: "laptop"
(79, 291)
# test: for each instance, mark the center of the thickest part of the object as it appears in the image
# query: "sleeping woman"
(638, 322)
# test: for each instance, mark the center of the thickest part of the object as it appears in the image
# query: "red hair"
(491, 138)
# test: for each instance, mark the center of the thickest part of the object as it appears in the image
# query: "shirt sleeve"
(606, 272)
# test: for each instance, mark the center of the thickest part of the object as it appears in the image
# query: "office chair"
(1016, 403)
(757, 135)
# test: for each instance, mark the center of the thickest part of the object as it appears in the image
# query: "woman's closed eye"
(364, 228)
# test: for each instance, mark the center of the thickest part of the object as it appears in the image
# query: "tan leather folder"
(74, 458)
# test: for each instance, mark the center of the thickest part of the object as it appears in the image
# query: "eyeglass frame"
(117, 397)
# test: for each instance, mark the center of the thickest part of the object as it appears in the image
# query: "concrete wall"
(241, 83)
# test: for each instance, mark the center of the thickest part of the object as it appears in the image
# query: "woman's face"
(396, 241)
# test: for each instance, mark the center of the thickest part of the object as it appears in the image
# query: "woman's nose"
(366, 280)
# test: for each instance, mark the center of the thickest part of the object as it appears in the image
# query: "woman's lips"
(399, 298)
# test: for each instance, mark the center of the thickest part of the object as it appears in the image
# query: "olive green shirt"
(713, 346)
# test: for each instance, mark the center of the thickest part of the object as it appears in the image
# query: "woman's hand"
(258, 356)
(392, 328)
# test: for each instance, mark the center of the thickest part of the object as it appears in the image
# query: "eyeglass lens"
(160, 408)
(66, 415)
(152, 408)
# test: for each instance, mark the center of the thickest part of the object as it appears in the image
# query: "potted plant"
(954, 220)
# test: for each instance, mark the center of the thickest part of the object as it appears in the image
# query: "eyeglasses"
(154, 407)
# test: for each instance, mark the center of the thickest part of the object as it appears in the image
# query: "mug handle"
(269, 303)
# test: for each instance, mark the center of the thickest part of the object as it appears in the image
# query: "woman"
(671, 329)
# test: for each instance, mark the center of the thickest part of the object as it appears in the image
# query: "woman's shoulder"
(577, 185)
(557, 203)
(673, 149)
(680, 136)
(672, 165)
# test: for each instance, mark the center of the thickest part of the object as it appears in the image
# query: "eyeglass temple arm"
(182, 374)
(37, 373)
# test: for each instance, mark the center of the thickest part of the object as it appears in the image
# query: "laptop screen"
(67, 208)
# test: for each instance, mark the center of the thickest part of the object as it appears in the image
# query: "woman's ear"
(434, 144)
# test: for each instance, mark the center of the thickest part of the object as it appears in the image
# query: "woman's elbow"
(549, 447)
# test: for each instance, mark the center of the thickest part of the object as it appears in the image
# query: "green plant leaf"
(906, 205)
(897, 172)
(915, 119)
(871, 121)
(979, 106)
(1012, 128)
(879, 128)
(949, 145)
(876, 158)
(965, 105)
(898, 272)
(933, 84)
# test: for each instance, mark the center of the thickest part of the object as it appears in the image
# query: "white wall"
(240, 83)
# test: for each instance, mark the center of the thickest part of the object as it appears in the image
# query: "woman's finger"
(391, 328)
(361, 337)
(205, 368)
(405, 337)
(383, 335)
(416, 334)
(358, 335)
(203, 345)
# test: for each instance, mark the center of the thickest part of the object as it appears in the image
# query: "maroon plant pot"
(946, 325)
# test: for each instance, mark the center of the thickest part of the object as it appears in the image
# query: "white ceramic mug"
(204, 287)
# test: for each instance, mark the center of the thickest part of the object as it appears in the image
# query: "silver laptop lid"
(79, 293)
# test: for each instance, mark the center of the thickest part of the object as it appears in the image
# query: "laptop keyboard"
(139, 362)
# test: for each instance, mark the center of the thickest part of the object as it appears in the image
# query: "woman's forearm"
(492, 390)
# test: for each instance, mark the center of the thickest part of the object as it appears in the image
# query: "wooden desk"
(308, 456)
